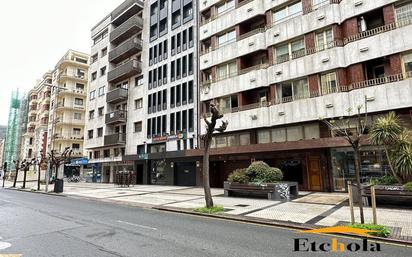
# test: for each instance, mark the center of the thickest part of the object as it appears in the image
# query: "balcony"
(126, 10)
(115, 139)
(115, 117)
(126, 49)
(126, 70)
(117, 95)
(126, 29)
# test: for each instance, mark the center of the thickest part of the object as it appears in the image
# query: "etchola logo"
(306, 245)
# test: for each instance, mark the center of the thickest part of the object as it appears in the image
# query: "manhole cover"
(241, 205)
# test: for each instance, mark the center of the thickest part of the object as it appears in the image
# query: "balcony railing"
(126, 49)
(126, 70)
(124, 7)
(126, 29)
(115, 117)
(117, 95)
(372, 32)
(115, 139)
(324, 91)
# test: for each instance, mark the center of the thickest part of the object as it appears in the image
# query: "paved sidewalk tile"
(290, 211)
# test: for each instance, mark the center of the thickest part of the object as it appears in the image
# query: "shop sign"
(170, 137)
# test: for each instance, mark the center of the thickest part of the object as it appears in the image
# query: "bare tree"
(353, 132)
(207, 138)
(43, 160)
(17, 165)
(26, 164)
(58, 159)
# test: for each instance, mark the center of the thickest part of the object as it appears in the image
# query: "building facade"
(116, 67)
(276, 67)
(166, 101)
(68, 89)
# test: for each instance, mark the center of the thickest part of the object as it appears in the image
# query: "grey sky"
(36, 34)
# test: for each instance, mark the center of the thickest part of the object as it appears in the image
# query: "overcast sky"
(36, 34)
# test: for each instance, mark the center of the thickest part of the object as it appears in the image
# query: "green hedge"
(258, 172)
(379, 230)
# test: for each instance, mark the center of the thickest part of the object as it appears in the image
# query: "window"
(187, 11)
(99, 132)
(79, 86)
(90, 134)
(294, 49)
(76, 131)
(178, 121)
(104, 52)
(184, 120)
(294, 133)
(92, 95)
(404, 12)
(227, 6)
(190, 36)
(173, 45)
(190, 64)
(226, 70)
(184, 93)
(100, 111)
(76, 147)
(324, 40)
(164, 124)
(278, 135)
(91, 114)
(287, 12)
(226, 38)
(138, 103)
(263, 137)
(178, 95)
(172, 71)
(103, 71)
(139, 81)
(78, 101)
(190, 91)
(95, 58)
(94, 76)
(172, 123)
(184, 66)
(138, 126)
(294, 90)
(407, 60)
(191, 120)
(178, 68)
(101, 90)
(77, 116)
(172, 97)
(176, 18)
(328, 83)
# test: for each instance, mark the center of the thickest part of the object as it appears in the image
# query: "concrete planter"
(273, 191)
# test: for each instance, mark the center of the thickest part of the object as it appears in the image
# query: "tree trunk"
(359, 185)
(400, 180)
(38, 178)
(206, 183)
(24, 178)
(15, 177)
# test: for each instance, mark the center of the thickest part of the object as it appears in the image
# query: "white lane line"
(4, 245)
(136, 225)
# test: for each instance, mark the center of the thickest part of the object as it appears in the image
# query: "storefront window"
(373, 164)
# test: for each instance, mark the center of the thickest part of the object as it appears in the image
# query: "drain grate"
(242, 205)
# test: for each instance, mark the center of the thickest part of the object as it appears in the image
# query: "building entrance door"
(185, 174)
(314, 173)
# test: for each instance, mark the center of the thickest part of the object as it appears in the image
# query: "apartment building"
(68, 104)
(165, 103)
(34, 143)
(275, 67)
(116, 68)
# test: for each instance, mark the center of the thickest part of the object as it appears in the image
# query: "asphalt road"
(42, 225)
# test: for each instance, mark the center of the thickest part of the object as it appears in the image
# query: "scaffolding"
(12, 141)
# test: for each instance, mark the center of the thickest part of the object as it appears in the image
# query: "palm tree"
(395, 140)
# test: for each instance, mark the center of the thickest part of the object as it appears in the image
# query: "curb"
(289, 225)
(34, 191)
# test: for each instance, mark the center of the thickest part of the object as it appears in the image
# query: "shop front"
(373, 164)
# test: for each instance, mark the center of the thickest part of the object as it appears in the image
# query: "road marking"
(136, 225)
(4, 245)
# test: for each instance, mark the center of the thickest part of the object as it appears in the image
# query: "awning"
(80, 161)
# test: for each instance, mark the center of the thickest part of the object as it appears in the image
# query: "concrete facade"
(276, 67)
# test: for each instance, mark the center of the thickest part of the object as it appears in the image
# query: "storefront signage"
(169, 137)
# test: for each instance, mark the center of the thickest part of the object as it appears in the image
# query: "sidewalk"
(312, 209)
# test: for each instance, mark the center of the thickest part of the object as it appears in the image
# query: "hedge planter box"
(391, 193)
(273, 191)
